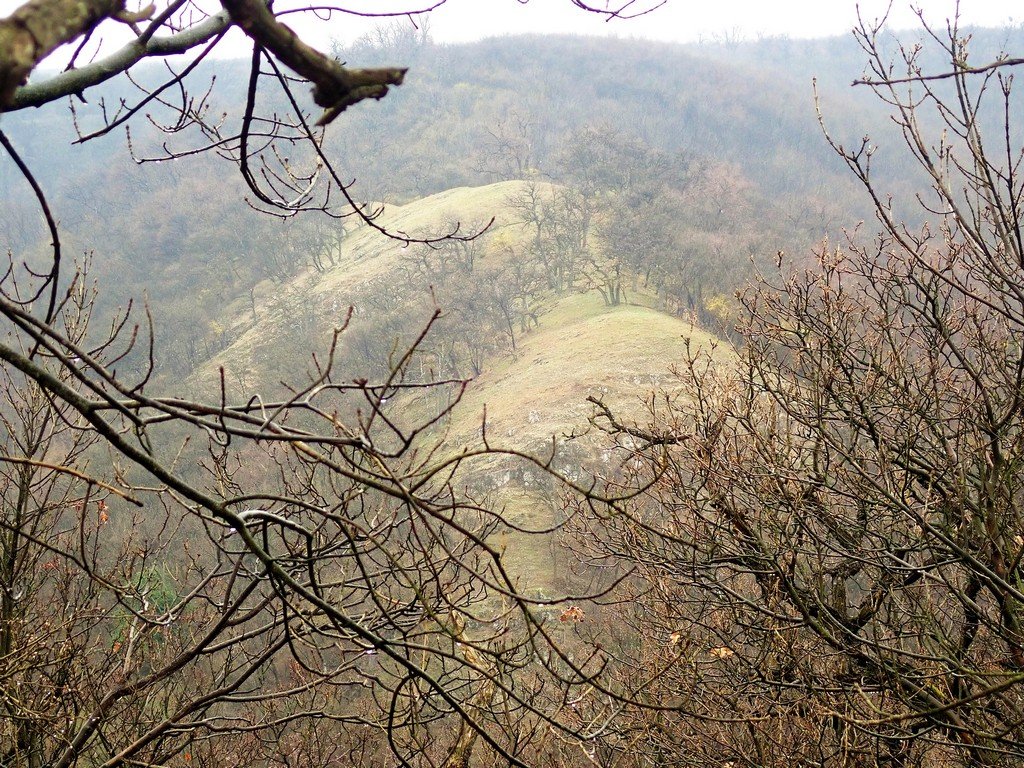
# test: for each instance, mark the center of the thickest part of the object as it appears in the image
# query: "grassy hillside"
(301, 313)
(536, 402)
(534, 397)
(581, 348)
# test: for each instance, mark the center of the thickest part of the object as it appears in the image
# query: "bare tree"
(160, 599)
(827, 530)
(248, 576)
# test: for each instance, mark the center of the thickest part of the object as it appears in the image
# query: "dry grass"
(581, 348)
(535, 400)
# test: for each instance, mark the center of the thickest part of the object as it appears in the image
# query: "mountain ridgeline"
(651, 174)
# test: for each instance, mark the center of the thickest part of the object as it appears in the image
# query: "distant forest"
(738, 117)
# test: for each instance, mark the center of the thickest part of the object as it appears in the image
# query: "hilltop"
(531, 395)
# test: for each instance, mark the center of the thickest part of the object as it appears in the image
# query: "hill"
(369, 275)
(536, 402)
(533, 396)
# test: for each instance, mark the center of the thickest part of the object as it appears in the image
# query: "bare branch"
(39, 27)
(958, 72)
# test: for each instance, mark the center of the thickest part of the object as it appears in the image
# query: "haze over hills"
(728, 133)
(469, 115)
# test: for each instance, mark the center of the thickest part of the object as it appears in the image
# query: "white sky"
(677, 20)
(690, 20)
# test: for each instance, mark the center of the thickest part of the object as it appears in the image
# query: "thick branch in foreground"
(38, 28)
(958, 72)
(335, 87)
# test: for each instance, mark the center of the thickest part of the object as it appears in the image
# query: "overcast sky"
(677, 20)
(690, 20)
